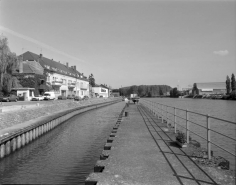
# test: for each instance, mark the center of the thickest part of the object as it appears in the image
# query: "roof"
(104, 86)
(32, 67)
(211, 85)
(53, 66)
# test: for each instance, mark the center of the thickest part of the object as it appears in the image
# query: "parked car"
(9, 98)
(77, 98)
(49, 96)
(37, 98)
(70, 97)
(85, 98)
(61, 97)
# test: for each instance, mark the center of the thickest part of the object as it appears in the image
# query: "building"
(63, 79)
(101, 90)
(210, 88)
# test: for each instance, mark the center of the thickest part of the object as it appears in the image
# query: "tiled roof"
(32, 67)
(104, 86)
(53, 65)
(211, 85)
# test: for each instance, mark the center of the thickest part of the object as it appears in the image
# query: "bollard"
(126, 114)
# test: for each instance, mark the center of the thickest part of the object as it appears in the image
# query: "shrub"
(182, 138)
(233, 95)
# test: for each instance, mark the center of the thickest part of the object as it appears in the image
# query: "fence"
(165, 112)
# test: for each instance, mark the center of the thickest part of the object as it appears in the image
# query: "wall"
(14, 138)
(79, 83)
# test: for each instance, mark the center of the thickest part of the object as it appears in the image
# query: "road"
(30, 102)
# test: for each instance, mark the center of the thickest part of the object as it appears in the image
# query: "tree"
(195, 89)
(91, 80)
(227, 85)
(176, 92)
(233, 83)
(9, 62)
(4, 50)
(161, 92)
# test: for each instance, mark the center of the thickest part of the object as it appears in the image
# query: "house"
(210, 88)
(62, 79)
(28, 73)
(101, 90)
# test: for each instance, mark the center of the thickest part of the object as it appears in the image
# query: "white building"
(101, 90)
(63, 79)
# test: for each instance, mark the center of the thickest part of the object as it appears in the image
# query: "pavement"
(143, 152)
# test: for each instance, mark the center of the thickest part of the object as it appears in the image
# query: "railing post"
(175, 118)
(167, 116)
(153, 108)
(161, 113)
(208, 137)
(187, 126)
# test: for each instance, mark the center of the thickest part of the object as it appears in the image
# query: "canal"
(218, 108)
(65, 155)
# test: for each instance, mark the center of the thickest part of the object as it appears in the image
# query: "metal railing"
(164, 112)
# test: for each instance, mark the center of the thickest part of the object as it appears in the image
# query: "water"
(65, 155)
(218, 108)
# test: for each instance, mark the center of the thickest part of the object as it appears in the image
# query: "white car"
(49, 96)
(37, 98)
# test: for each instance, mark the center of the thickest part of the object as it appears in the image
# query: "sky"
(124, 42)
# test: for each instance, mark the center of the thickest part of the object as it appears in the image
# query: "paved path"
(143, 154)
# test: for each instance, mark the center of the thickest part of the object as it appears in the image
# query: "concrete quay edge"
(21, 134)
(12, 131)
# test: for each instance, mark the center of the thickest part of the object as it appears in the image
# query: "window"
(48, 78)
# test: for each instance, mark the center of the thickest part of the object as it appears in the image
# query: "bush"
(233, 95)
(182, 138)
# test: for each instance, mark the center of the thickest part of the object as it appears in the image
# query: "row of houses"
(61, 79)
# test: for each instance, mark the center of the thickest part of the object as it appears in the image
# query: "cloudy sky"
(123, 42)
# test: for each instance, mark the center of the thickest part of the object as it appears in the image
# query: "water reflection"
(66, 155)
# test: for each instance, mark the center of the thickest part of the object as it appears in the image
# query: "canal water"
(218, 108)
(65, 155)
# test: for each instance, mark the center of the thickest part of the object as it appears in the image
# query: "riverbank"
(142, 152)
(17, 114)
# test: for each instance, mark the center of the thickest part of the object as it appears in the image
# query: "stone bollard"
(126, 114)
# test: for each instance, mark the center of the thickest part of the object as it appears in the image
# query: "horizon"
(174, 43)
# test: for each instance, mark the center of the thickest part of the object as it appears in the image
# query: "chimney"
(21, 67)
(74, 67)
(67, 64)
(40, 55)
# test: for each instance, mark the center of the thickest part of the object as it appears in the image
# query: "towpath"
(143, 153)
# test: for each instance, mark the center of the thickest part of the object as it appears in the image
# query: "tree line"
(145, 90)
